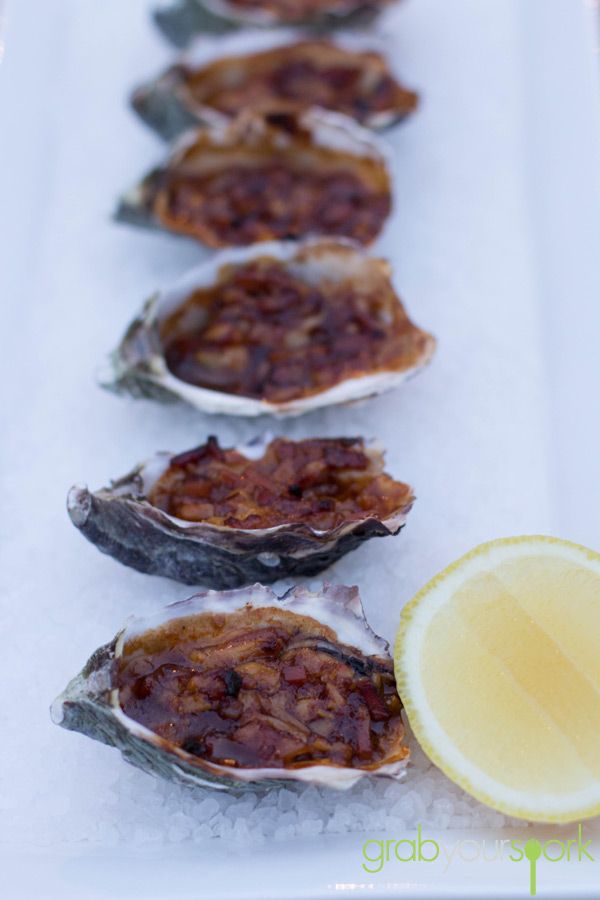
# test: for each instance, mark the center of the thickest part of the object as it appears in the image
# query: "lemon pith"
(498, 665)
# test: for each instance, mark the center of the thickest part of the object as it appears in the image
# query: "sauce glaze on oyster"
(183, 19)
(280, 329)
(261, 70)
(227, 518)
(260, 177)
(238, 688)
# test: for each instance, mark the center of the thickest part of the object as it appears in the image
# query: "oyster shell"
(263, 176)
(157, 521)
(227, 690)
(281, 329)
(344, 73)
(183, 19)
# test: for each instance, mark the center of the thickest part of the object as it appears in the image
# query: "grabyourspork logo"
(378, 853)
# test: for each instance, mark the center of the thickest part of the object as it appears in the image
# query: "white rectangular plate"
(494, 243)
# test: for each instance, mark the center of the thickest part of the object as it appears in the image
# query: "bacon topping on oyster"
(306, 73)
(322, 482)
(241, 205)
(262, 688)
(264, 331)
(276, 175)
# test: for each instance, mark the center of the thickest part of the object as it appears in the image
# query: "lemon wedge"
(498, 665)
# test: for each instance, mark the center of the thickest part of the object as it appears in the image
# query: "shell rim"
(152, 369)
(78, 495)
(347, 608)
(350, 604)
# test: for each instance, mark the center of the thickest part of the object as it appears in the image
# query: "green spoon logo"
(533, 851)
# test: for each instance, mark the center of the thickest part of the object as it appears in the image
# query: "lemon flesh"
(498, 665)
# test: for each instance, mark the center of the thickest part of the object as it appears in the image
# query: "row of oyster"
(122, 520)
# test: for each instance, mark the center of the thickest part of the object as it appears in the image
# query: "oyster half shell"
(124, 522)
(268, 175)
(180, 20)
(321, 269)
(347, 73)
(207, 691)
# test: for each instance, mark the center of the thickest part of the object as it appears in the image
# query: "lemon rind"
(561, 809)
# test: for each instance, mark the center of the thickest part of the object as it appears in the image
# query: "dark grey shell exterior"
(184, 19)
(121, 523)
(160, 104)
(135, 206)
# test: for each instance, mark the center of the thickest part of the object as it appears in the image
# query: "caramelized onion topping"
(307, 73)
(240, 205)
(320, 482)
(260, 688)
(263, 331)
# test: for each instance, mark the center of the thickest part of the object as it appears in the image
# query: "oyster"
(233, 689)
(183, 19)
(263, 176)
(343, 74)
(280, 329)
(226, 518)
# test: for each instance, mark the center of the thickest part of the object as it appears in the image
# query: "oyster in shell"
(280, 329)
(264, 176)
(233, 689)
(226, 518)
(182, 19)
(344, 74)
